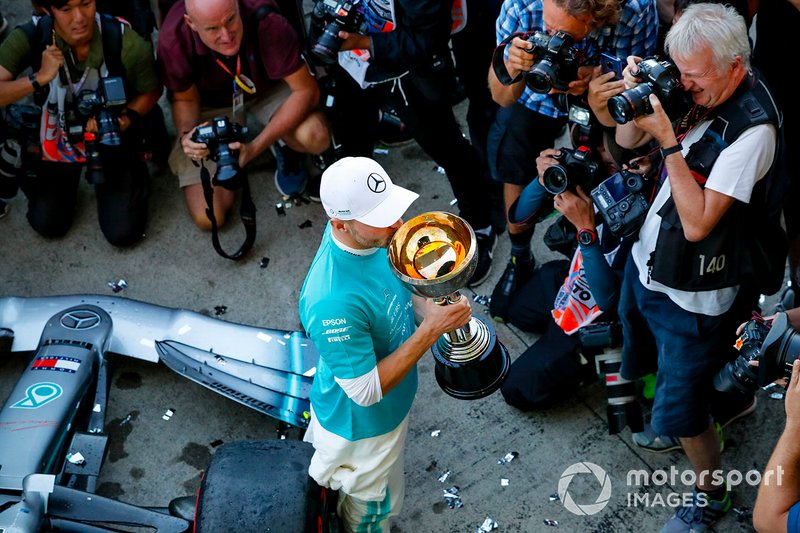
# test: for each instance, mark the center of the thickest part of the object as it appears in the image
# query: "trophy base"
(474, 368)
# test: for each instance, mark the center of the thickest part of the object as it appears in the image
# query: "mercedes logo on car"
(80, 319)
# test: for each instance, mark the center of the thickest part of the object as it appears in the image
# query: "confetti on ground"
(507, 458)
(118, 286)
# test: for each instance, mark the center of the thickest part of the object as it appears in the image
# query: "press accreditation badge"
(238, 103)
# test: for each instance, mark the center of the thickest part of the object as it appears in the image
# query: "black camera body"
(601, 335)
(216, 136)
(104, 104)
(557, 63)
(774, 346)
(659, 77)
(574, 167)
(328, 18)
(622, 202)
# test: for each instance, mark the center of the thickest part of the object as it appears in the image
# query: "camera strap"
(499, 63)
(247, 213)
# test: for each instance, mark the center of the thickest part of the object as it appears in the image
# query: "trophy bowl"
(435, 254)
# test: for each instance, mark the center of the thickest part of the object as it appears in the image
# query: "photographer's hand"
(354, 41)
(245, 152)
(792, 401)
(520, 59)
(579, 86)
(577, 207)
(657, 124)
(194, 151)
(52, 60)
(545, 160)
(601, 89)
(630, 71)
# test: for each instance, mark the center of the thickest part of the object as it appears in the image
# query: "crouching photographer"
(582, 318)
(94, 78)
(777, 508)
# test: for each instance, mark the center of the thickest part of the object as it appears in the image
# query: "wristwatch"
(671, 150)
(36, 86)
(586, 236)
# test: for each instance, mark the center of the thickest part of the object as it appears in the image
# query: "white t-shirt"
(735, 173)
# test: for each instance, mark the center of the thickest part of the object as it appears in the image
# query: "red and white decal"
(57, 363)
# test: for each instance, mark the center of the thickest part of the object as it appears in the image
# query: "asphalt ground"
(152, 460)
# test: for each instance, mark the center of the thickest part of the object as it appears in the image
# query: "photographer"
(692, 269)
(404, 59)
(777, 508)
(211, 49)
(75, 69)
(585, 299)
(530, 121)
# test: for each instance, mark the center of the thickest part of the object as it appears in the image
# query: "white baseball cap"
(358, 188)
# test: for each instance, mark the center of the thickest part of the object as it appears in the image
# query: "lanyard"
(239, 79)
(75, 88)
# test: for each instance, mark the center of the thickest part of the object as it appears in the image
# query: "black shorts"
(516, 138)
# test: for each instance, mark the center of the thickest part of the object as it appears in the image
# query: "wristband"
(671, 150)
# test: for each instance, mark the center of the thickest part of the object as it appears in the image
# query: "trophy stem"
(462, 335)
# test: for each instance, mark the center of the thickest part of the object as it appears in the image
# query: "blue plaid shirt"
(636, 34)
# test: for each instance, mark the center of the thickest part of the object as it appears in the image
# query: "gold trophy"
(435, 255)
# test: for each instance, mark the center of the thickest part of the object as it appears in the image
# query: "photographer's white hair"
(719, 27)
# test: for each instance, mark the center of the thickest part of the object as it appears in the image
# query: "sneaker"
(694, 518)
(392, 131)
(290, 172)
(736, 412)
(514, 276)
(651, 442)
(486, 245)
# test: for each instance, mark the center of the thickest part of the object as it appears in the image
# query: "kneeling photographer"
(94, 78)
(583, 320)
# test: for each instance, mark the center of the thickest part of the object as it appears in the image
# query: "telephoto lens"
(623, 407)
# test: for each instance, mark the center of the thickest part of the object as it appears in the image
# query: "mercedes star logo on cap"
(376, 183)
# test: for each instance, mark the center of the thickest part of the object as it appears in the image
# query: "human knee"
(123, 237)
(313, 135)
